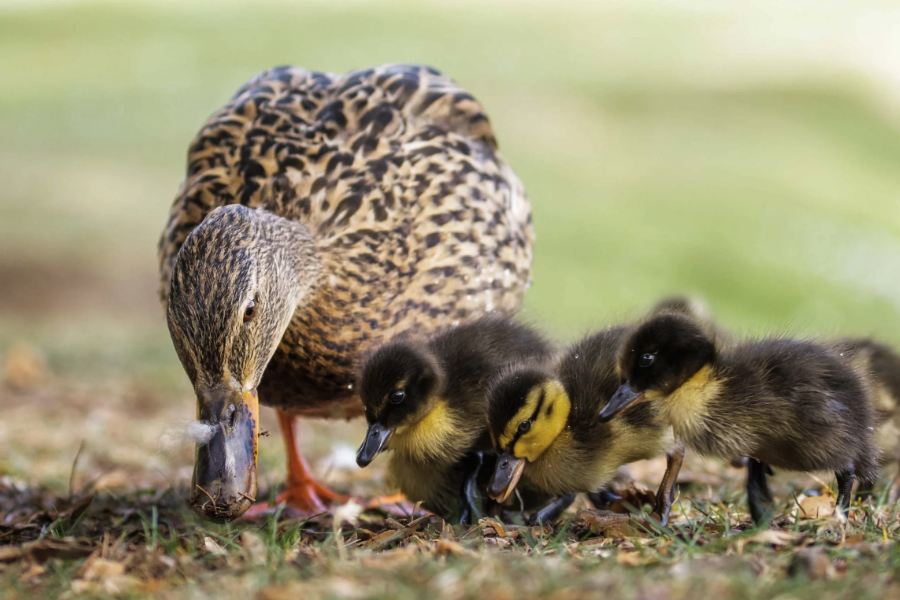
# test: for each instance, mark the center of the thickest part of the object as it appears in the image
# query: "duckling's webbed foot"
(759, 498)
(665, 495)
(603, 498)
(845, 485)
(552, 510)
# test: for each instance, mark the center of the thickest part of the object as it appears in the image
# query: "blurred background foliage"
(748, 153)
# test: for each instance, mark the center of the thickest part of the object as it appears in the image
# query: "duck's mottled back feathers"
(395, 147)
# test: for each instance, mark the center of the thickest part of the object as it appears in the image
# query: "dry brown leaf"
(444, 547)
(66, 548)
(816, 507)
(773, 537)
(634, 559)
(34, 570)
(10, 554)
(386, 538)
(97, 569)
(606, 524)
(492, 527)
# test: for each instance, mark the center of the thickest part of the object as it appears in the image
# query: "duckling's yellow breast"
(439, 436)
(687, 408)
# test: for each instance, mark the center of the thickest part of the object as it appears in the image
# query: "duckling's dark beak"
(224, 483)
(622, 399)
(506, 475)
(376, 437)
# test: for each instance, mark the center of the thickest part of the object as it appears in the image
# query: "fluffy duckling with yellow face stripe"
(543, 424)
(425, 401)
(796, 405)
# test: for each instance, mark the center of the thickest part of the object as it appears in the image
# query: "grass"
(746, 154)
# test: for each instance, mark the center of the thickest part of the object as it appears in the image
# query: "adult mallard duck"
(322, 214)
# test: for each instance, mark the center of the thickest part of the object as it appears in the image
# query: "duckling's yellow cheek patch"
(549, 413)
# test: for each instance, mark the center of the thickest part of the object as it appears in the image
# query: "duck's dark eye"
(397, 397)
(647, 359)
(249, 311)
(524, 426)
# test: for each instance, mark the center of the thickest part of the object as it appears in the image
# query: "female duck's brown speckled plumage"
(401, 212)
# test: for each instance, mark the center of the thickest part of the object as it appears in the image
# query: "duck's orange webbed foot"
(304, 496)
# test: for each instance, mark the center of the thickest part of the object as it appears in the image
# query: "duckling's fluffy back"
(794, 404)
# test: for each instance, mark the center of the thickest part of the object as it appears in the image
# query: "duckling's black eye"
(647, 359)
(397, 397)
(524, 426)
(249, 311)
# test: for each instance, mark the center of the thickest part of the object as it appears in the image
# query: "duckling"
(322, 214)
(879, 363)
(882, 365)
(543, 424)
(424, 400)
(796, 405)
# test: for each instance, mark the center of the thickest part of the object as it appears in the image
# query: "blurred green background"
(747, 153)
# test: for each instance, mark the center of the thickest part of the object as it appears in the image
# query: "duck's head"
(658, 358)
(399, 386)
(527, 410)
(235, 286)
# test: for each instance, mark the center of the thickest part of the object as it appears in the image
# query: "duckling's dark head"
(659, 357)
(236, 282)
(527, 410)
(399, 386)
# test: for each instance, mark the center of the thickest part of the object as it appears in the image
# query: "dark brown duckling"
(882, 364)
(879, 362)
(543, 424)
(795, 405)
(425, 401)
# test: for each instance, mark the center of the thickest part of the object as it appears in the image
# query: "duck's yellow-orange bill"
(224, 482)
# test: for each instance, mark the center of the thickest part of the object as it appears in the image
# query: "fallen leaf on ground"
(66, 548)
(773, 537)
(816, 507)
(634, 559)
(605, 523)
(492, 527)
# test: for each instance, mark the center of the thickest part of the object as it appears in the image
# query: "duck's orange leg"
(304, 494)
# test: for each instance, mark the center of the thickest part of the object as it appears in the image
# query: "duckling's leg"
(845, 485)
(665, 495)
(472, 500)
(759, 498)
(303, 494)
(552, 510)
